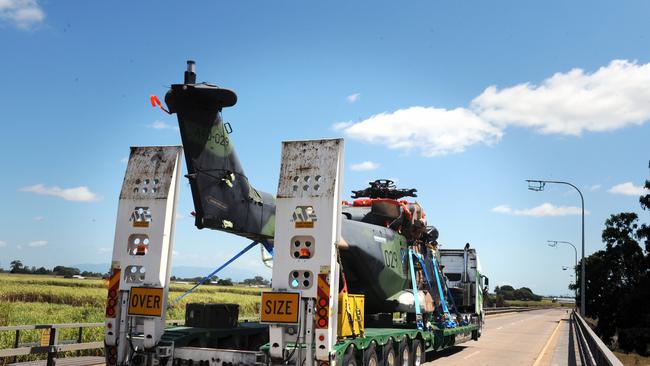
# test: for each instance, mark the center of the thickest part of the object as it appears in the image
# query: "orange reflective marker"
(155, 101)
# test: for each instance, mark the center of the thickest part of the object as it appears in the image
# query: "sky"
(461, 100)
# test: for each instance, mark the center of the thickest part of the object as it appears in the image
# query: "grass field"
(541, 303)
(35, 299)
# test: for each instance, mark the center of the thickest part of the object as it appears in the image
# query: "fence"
(50, 342)
(592, 350)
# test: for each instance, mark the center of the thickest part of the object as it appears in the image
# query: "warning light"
(322, 322)
(322, 302)
(321, 337)
(322, 312)
(109, 325)
(305, 253)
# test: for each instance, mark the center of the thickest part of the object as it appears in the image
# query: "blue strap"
(449, 321)
(424, 269)
(418, 314)
(268, 247)
(445, 309)
(451, 297)
(208, 277)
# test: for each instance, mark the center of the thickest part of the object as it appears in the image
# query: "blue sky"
(462, 101)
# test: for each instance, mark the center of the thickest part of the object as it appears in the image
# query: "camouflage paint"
(373, 259)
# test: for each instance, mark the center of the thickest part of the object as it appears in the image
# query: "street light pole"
(538, 185)
(553, 243)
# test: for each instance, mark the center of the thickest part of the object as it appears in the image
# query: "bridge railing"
(592, 349)
(510, 309)
(50, 341)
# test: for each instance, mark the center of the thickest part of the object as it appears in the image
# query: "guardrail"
(592, 350)
(50, 342)
(510, 309)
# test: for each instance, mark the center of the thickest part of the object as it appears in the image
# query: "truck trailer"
(353, 283)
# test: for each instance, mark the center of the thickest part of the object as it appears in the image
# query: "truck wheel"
(389, 358)
(404, 353)
(418, 354)
(370, 356)
(348, 358)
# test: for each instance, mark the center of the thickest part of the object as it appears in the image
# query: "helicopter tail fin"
(223, 198)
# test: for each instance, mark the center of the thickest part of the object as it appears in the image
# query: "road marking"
(471, 354)
(548, 343)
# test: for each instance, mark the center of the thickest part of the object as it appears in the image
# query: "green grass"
(541, 303)
(34, 299)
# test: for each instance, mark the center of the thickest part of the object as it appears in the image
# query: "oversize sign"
(146, 301)
(280, 307)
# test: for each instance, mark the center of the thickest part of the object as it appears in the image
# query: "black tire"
(476, 334)
(370, 356)
(389, 356)
(404, 353)
(348, 358)
(418, 353)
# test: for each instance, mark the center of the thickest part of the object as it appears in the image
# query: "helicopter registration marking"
(280, 307)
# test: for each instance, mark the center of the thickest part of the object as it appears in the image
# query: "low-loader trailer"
(353, 283)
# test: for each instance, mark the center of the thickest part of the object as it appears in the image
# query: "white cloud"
(594, 188)
(366, 165)
(39, 218)
(78, 194)
(23, 14)
(37, 243)
(161, 125)
(431, 131)
(613, 97)
(353, 97)
(504, 209)
(628, 189)
(545, 209)
(571, 103)
(3, 243)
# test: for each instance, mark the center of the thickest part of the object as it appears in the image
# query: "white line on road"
(471, 354)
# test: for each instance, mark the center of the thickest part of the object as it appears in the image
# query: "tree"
(65, 271)
(225, 282)
(256, 281)
(507, 292)
(618, 281)
(16, 266)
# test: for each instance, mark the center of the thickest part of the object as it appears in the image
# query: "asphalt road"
(535, 338)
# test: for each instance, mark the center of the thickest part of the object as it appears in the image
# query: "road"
(536, 338)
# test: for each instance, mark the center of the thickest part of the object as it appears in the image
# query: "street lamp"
(538, 185)
(553, 243)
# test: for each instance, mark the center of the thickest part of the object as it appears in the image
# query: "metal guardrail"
(510, 309)
(592, 350)
(50, 342)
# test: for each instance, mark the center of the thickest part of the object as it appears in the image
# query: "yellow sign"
(280, 307)
(146, 301)
(45, 337)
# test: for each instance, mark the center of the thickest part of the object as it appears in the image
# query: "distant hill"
(236, 274)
